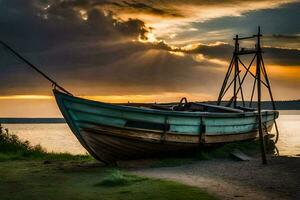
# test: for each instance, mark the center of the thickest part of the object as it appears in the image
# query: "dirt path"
(229, 179)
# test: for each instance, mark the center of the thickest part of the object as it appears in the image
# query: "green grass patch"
(118, 178)
(12, 148)
(34, 180)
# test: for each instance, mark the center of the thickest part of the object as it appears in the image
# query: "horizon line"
(111, 98)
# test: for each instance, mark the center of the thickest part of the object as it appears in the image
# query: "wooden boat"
(116, 132)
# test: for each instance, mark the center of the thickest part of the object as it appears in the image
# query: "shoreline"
(228, 179)
(221, 178)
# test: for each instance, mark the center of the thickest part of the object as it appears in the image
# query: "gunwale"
(161, 112)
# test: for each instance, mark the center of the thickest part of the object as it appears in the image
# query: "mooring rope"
(277, 132)
(54, 84)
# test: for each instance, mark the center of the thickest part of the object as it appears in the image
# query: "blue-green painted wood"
(180, 122)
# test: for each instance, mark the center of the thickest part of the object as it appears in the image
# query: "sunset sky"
(138, 50)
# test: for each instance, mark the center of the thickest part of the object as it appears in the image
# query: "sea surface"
(59, 138)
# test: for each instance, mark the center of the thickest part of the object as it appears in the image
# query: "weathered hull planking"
(113, 132)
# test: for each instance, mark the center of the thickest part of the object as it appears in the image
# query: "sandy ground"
(229, 179)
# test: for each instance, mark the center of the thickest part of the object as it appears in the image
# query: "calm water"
(59, 138)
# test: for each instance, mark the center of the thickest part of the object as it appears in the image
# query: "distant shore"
(32, 120)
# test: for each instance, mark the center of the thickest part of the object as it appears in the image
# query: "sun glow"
(190, 47)
(159, 98)
(177, 53)
(83, 15)
(202, 58)
(291, 73)
(47, 7)
(162, 97)
(24, 97)
(150, 37)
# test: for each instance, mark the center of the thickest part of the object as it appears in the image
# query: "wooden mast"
(258, 77)
(236, 69)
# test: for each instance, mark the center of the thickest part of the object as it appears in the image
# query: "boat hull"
(112, 132)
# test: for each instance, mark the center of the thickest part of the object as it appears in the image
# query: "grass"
(118, 178)
(12, 148)
(65, 176)
(65, 180)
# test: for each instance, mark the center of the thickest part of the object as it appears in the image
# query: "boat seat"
(161, 107)
(214, 108)
(245, 108)
(198, 107)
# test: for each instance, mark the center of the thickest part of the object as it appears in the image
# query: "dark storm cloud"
(283, 57)
(28, 24)
(116, 69)
(175, 8)
(88, 54)
(153, 8)
(291, 41)
(272, 55)
(276, 23)
(286, 37)
(143, 7)
(59, 40)
(90, 50)
(222, 51)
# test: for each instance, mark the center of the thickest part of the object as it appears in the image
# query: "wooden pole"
(240, 89)
(258, 76)
(235, 69)
(225, 81)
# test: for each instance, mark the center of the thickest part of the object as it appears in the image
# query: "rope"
(163, 134)
(54, 84)
(277, 132)
(201, 132)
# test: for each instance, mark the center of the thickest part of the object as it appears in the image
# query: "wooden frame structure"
(237, 81)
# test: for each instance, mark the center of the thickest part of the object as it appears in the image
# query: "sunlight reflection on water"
(52, 137)
(59, 138)
(289, 138)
